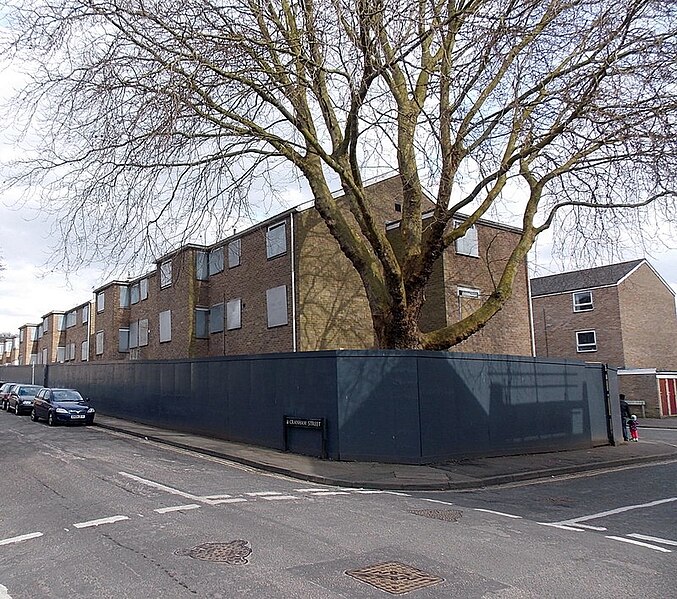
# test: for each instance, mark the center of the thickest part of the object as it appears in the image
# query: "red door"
(672, 396)
(663, 391)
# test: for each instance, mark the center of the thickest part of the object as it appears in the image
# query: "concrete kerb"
(395, 485)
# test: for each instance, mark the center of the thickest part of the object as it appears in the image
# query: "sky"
(28, 290)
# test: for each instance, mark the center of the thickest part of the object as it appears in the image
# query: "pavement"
(450, 475)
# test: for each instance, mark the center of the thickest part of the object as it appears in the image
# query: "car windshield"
(28, 390)
(66, 395)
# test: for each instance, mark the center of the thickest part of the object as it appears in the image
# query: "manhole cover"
(233, 552)
(446, 515)
(395, 578)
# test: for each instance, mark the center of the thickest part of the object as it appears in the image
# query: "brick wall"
(641, 387)
(79, 333)
(509, 331)
(649, 322)
(27, 346)
(249, 282)
(110, 320)
(556, 324)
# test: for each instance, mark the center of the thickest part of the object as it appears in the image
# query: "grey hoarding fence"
(392, 406)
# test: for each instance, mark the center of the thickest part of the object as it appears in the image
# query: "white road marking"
(263, 493)
(588, 527)
(654, 547)
(276, 497)
(620, 510)
(398, 493)
(328, 493)
(212, 497)
(308, 490)
(31, 535)
(635, 535)
(232, 500)
(4, 593)
(165, 488)
(100, 521)
(554, 525)
(368, 492)
(436, 501)
(477, 509)
(177, 508)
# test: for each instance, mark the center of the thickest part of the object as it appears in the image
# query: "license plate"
(77, 415)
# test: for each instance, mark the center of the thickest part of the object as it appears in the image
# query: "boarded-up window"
(234, 314)
(276, 301)
(165, 326)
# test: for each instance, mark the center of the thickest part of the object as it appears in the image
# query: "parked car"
(4, 394)
(61, 406)
(20, 398)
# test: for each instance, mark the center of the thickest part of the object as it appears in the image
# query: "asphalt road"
(89, 513)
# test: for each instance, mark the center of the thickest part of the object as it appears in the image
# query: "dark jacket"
(625, 409)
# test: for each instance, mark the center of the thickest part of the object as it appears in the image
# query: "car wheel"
(50, 419)
(34, 416)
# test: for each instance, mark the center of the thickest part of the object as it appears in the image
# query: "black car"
(61, 406)
(20, 398)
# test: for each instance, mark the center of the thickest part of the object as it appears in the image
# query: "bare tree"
(150, 109)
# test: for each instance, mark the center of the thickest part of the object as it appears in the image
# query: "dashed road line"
(477, 509)
(329, 493)
(21, 538)
(640, 543)
(177, 508)
(279, 497)
(100, 521)
(161, 487)
(435, 501)
(636, 535)
(263, 493)
(560, 526)
(231, 500)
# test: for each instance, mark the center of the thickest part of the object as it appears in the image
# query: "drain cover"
(234, 552)
(446, 515)
(395, 578)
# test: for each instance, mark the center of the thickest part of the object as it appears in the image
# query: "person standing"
(632, 424)
(625, 416)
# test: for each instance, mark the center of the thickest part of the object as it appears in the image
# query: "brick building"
(9, 349)
(28, 344)
(282, 285)
(50, 346)
(620, 314)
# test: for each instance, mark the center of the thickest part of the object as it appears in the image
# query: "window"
(99, 343)
(166, 274)
(468, 301)
(45, 325)
(201, 266)
(44, 356)
(276, 301)
(84, 351)
(143, 288)
(216, 261)
(586, 341)
(468, 245)
(123, 340)
(71, 319)
(165, 326)
(582, 301)
(234, 314)
(38, 332)
(124, 296)
(202, 323)
(143, 332)
(100, 301)
(71, 352)
(60, 322)
(22, 335)
(134, 334)
(234, 253)
(60, 354)
(216, 319)
(134, 294)
(85, 314)
(34, 336)
(276, 240)
(34, 359)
